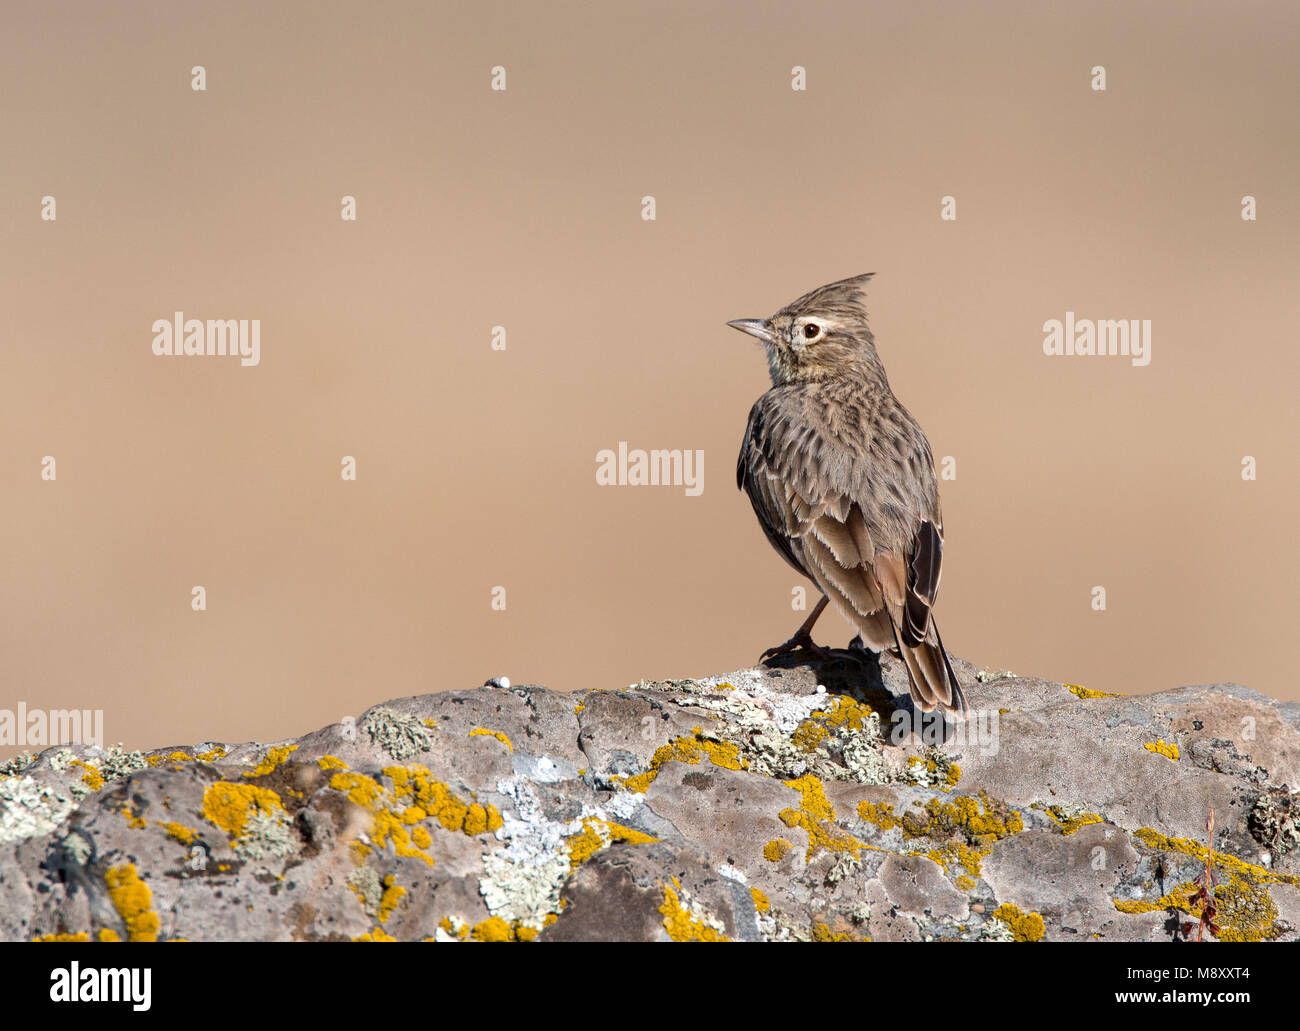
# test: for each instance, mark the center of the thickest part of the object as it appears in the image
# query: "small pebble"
(503, 682)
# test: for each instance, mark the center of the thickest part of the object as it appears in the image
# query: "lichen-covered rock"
(797, 803)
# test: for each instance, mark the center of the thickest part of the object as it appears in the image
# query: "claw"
(798, 641)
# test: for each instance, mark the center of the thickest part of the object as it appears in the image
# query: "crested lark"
(843, 483)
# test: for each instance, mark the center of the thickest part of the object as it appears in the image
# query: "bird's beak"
(760, 328)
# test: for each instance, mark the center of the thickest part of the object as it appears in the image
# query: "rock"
(795, 803)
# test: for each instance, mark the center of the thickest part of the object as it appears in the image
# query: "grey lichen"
(117, 763)
(267, 836)
(29, 808)
(401, 735)
(1275, 820)
(369, 889)
(521, 890)
(16, 765)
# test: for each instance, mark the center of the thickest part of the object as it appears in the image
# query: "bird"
(842, 480)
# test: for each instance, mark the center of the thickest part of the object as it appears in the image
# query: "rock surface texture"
(768, 804)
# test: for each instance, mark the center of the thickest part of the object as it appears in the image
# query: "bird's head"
(823, 335)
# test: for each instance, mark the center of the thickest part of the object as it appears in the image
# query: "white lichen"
(29, 809)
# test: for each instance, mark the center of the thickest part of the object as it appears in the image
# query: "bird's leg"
(802, 639)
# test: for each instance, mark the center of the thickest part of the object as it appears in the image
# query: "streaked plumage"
(842, 481)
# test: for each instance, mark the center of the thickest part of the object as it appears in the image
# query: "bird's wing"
(858, 529)
(757, 474)
(821, 532)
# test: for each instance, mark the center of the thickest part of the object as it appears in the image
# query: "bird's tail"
(934, 684)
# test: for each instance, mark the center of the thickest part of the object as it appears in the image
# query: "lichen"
(686, 922)
(401, 735)
(275, 757)
(690, 750)
(1083, 692)
(16, 765)
(1024, 927)
(777, 849)
(1245, 912)
(484, 732)
(29, 809)
(599, 834)
(1274, 820)
(185, 835)
(1186, 846)
(934, 769)
(414, 797)
(231, 806)
(960, 855)
(982, 820)
(814, 813)
(1166, 748)
(133, 901)
(879, 813)
(1069, 818)
(762, 904)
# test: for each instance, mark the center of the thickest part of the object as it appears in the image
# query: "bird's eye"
(811, 330)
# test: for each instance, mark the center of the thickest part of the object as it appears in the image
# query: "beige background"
(476, 468)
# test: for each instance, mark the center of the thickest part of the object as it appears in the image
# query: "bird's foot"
(803, 640)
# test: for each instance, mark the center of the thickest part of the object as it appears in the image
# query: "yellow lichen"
(942, 819)
(762, 903)
(179, 831)
(415, 796)
(377, 935)
(230, 806)
(1186, 846)
(132, 820)
(275, 757)
(329, 762)
(455, 927)
(92, 778)
(777, 849)
(881, 814)
(133, 901)
(814, 813)
(960, 854)
(80, 936)
(1083, 692)
(107, 934)
(1166, 748)
(844, 713)
(965, 883)
(577, 709)
(684, 926)
(1070, 824)
(821, 932)
(493, 929)
(598, 834)
(689, 750)
(393, 893)
(483, 732)
(1025, 927)
(1245, 912)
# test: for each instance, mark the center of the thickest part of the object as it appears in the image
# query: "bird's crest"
(843, 298)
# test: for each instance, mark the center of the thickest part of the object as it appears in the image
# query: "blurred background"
(522, 208)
